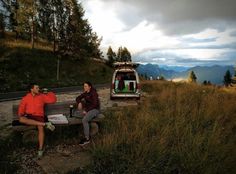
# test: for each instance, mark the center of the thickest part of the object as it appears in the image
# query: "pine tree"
(27, 19)
(123, 55)
(13, 9)
(145, 76)
(192, 77)
(162, 78)
(93, 47)
(79, 41)
(119, 54)
(234, 78)
(227, 78)
(111, 56)
(2, 26)
(61, 11)
(59, 21)
(126, 56)
(47, 19)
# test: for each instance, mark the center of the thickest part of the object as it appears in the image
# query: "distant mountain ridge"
(153, 70)
(214, 74)
(174, 68)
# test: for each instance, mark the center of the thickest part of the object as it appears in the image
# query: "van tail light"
(138, 86)
(112, 86)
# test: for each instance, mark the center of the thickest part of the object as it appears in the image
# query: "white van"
(125, 81)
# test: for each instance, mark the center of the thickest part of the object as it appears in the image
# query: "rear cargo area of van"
(125, 82)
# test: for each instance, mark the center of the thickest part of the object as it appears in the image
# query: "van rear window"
(125, 82)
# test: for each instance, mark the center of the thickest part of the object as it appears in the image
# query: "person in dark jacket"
(88, 103)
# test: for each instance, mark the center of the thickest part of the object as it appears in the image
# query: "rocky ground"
(57, 159)
(62, 157)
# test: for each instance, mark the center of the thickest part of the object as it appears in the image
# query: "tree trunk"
(54, 44)
(32, 33)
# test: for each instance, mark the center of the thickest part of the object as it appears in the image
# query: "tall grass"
(11, 42)
(27, 44)
(179, 128)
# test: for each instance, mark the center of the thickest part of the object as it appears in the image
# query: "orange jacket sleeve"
(22, 106)
(50, 97)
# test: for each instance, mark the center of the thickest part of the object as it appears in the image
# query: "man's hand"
(45, 90)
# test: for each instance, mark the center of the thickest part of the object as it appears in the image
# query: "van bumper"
(125, 95)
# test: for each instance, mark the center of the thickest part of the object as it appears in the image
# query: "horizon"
(164, 65)
(214, 73)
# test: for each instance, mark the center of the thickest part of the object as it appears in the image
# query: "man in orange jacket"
(31, 112)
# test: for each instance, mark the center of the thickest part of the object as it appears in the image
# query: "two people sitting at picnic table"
(31, 111)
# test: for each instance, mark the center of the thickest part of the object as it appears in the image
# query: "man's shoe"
(84, 141)
(50, 126)
(40, 154)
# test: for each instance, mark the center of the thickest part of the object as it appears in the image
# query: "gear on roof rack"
(125, 64)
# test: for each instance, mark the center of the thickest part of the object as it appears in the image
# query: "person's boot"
(50, 126)
(40, 154)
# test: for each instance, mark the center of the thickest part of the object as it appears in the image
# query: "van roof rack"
(125, 64)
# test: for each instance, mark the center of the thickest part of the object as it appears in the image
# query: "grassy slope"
(178, 128)
(19, 65)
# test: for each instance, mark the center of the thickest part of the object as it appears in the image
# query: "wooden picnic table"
(57, 108)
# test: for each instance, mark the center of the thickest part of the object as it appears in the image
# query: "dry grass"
(26, 44)
(179, 128)
(10, 42)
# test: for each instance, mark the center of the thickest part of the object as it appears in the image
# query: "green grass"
(179, 128)
(20, 65)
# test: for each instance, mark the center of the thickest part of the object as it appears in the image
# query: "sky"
(167, 32)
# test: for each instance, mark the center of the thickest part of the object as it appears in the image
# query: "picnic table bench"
(57, 108)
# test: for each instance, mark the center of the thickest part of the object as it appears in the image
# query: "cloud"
(197, 40)
(233, 33)
(179, 16)
(141, 37)
(187, 57)
(211, 38)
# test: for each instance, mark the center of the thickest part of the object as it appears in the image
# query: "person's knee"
(22, 119)
(85, 120)
(80, 107)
